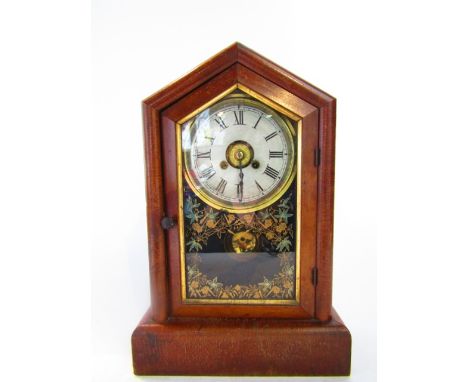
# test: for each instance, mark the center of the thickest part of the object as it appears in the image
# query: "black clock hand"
(241, 183)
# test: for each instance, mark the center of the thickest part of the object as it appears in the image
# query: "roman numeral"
(239, 115)
(256, 123)
(208, 173)
(221, 123)
(276, 154)
(211, 139)
(272, 135)
(205, 155)
(271, 172)
(221, 186)
(260, 188)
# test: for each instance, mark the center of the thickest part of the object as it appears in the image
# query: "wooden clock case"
(174, 338)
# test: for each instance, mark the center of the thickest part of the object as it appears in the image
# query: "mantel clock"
(240, 181)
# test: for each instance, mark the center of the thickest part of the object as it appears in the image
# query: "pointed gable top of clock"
(237, 54)
(237, 67)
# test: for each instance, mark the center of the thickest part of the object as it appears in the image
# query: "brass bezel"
(275, 194)
(296, 171)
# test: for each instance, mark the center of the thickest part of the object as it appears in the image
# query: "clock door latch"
(167, 222)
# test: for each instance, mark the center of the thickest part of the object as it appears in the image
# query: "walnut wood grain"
(179, 339)
(309, 116)
(241, 347)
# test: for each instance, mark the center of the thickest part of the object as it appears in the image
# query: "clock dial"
(238, 154)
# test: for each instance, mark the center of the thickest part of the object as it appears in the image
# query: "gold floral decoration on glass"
(274, 223)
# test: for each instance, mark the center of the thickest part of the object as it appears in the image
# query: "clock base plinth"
(242, 347)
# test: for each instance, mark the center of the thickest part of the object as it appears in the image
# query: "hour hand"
(239, 191)
(240, 186)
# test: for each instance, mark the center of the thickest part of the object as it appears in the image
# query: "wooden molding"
(241, 62)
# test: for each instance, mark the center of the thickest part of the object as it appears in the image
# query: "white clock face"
(239, 154)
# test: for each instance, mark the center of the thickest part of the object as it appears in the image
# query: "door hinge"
(167, 222)
(317, 157)
(314, 276)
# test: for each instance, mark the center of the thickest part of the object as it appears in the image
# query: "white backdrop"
(138, 47)
(72, 191)
(396, 70)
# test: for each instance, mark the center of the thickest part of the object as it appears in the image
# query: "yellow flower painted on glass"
(275, 290)
(248, 218)
(197, 227)
(194, 284)
(205, 291)
(211, 223)
(287, 284)
(230, 218)
(268, 223)
(270, 235)
(281, 227)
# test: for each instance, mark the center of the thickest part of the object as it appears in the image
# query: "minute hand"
(241, 182)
